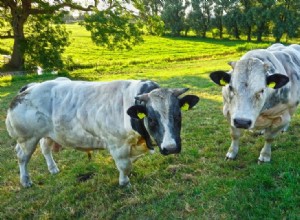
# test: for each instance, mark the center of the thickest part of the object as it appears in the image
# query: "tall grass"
(196, 184)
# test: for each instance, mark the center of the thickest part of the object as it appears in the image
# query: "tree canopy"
(34, 28)
(40, 38)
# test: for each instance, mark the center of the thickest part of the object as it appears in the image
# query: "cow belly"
(82, 140)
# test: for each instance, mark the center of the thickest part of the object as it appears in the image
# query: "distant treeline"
(251, 18)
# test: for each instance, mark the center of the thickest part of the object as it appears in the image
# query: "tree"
(19, 11)
(262, 13)
(231, 20)
(285, 17)
(173, 15)
(114, 29)
(247, 21)
(220, 9)
(45, 42)
(200, 16)
(149, 13)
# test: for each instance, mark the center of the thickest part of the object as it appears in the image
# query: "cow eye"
(259, 94)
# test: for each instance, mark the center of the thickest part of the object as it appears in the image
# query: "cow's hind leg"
(24, 152)
(234, 147)
(124, 165)
(46, 145)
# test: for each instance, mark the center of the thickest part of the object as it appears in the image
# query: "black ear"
(276, 81)
(137, 112)
(220, 77)
(187, 102)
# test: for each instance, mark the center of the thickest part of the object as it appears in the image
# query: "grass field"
(196, 184)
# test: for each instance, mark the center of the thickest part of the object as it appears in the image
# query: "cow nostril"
(242, 123)
(174, 149)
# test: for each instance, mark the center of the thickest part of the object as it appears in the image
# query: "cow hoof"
(26, 182)
(260, 162)
(126, 185)
(230, 156)
(54, 170)
(263, 159)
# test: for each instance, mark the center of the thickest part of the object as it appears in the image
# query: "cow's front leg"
(234, 147)
(265, 153)
(46, 145)
(124, 165)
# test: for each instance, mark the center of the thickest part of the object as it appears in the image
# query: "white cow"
(124, 117)
(261, 92)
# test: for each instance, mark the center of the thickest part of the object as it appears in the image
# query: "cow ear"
(187, 102)
(220, 77)
(137, 112)
(277, 81)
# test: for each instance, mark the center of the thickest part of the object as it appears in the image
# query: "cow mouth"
(166, 152)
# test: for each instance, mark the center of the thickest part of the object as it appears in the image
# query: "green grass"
(196, 184)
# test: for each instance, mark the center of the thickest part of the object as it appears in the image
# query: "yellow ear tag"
(141, 115)
(272, 85)
(185, 107)
(223, 82)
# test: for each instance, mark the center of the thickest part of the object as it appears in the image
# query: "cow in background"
(261, 92)
(126, 117)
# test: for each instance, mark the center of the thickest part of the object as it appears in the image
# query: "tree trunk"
(259, 37)
(236, 31)
(204, 31)
(249, 34)
(221, 31)
(260, 29)
(17, 57)
(277, 40)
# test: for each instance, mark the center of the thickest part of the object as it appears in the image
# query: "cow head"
(245, 90)
(160, 113)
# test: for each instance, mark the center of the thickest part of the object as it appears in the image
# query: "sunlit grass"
(196, 184)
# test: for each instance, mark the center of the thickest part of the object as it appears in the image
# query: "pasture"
(196, 184)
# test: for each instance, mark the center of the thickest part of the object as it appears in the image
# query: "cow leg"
(270, 134)
(24, 152)
(124, 165)
(234, 147)
(46, 147)
(265, 153)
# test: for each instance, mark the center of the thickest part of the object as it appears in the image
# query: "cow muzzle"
(170, 149)
(242, 123)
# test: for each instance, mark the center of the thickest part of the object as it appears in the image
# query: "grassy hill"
(196, 184)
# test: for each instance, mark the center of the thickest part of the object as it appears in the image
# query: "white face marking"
(162, 105)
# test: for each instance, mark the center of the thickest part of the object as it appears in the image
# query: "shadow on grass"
(223, 42)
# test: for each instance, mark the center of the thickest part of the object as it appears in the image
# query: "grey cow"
(261, 92)
(125, 117)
